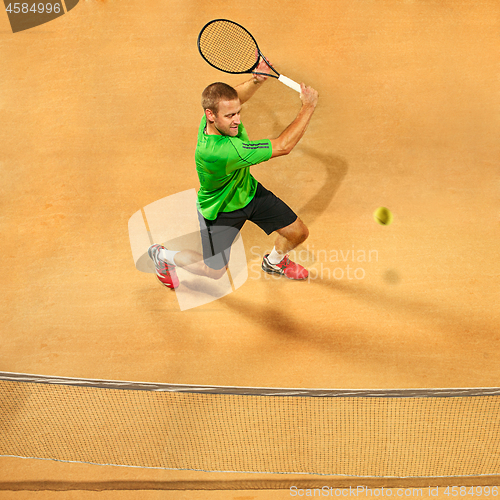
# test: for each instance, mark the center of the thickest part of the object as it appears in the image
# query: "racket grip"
(287, 81)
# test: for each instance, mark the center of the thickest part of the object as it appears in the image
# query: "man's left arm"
(247, 89)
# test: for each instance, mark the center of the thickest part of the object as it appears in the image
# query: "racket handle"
(287, 81)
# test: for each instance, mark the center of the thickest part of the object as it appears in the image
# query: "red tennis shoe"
(286, 268)
(165, 272)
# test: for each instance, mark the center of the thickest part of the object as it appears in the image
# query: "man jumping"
(229, 195)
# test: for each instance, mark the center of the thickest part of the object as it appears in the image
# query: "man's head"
(222, 108)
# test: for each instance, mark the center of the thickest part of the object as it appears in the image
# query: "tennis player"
(229, 195)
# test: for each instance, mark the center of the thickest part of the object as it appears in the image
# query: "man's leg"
(272, 214)
(216, 239)
(166, 262)
(194, 263)
(278, 262)
(290, 237)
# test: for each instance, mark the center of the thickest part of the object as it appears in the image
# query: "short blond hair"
(215, 93)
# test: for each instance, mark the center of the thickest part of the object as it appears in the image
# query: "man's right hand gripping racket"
(229, 47)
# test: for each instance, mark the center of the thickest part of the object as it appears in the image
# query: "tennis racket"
(229, 47)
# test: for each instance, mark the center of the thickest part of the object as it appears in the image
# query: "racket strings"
(228, 47)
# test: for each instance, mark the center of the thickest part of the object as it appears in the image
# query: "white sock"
(168, 255)
(275, 257)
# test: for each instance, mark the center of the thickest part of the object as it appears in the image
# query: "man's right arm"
(289, 138)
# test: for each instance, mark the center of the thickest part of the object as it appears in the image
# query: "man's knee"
(301, 232)
(304, 233)
(296, 233)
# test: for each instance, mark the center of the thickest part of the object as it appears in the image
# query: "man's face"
(226, 121)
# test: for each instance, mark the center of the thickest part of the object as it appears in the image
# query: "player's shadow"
(336, 170)
(337, 337)
(276, 320)
(450, 323)
(318, 163)
(334, 166)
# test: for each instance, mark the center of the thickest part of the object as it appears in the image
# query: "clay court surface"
(100, 110)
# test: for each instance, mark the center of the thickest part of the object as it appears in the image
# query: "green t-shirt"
(223, 165)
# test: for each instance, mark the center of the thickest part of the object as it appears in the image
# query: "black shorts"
(265, 209)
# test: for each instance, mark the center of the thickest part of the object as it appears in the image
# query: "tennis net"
(358, 433)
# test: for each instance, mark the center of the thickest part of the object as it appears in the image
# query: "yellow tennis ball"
(383, 216)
